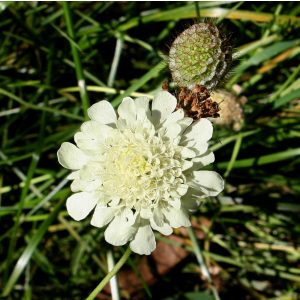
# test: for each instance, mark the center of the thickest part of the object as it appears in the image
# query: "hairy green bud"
(199, 55)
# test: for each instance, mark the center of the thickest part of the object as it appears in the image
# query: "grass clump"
(249, 236)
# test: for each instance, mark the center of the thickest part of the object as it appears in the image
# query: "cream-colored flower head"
(138, 170)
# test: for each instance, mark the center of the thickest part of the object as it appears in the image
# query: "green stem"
(29, 105)
(76, 58)
(112, 273)
(152, 73)
(235, 152)
(21, 204)
(203, 267)
(290, 79)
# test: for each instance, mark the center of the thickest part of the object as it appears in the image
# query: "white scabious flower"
(139, 169)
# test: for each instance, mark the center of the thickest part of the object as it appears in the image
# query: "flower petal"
(142, 108)
(165, 229)
(158, 217)
(176, 202)
(127, 110)
(176, 217)
(97, 130)
(92, 135)
(73, 175)
(209, 182)
(162, 106)
(71, 157)
(191, 200)
(91, 171)
(201, 131)
(172, 131)
(103, 215)
(187, 153)
(89, 178)
(182, 189)
(102, 112)
(185, 123)
(86, 185)
(119, 231)
(80, 205)
(174, 117)
(203, 160)
(146, 213)
(144, 241)
(186, 164)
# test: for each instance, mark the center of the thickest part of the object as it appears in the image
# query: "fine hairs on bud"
(200, 55)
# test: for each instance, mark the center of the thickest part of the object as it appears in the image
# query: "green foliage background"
(46, 47)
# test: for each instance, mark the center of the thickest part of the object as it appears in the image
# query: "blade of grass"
(48, 197)
(284, 86)
(266, 54)
(115, 62)
(139, 83)
(198, 253)
(226, 140)
(77, 61)
(112, 273)
(38, 107)
(235, 152)
(188, 11)
(102, 89)
(262, 160)
(14, 235)
(286, 98)
(113, 282)
(84, 244)
(30, 248)
(22, 176)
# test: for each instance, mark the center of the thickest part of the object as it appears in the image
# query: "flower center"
(130, 162)
(141, 168)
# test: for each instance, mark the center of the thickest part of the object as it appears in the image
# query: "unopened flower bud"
(200, 55)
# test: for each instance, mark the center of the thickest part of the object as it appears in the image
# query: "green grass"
(58, 58)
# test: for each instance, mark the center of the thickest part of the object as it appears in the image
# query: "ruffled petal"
(102, 112)
(73, 175)
(146, 213)
(186, 164)
(209, 182)
(103, 215)
(203, 160)
(182, 189)
(191, 200)
(92, 135)
(175, 202)
(86, 185)
(172, 131)
(185, 123)
(119, 231)
(158, 217)
(127, 110)
(174, 117)
(89, 178)
(165, 229)
(96, 130)
(162, 106)
(201, 131)
(176, 217)
(71, 157)
(144, 241)
(81, 204)
(142, 108)
(187, 153)
(83, 141)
